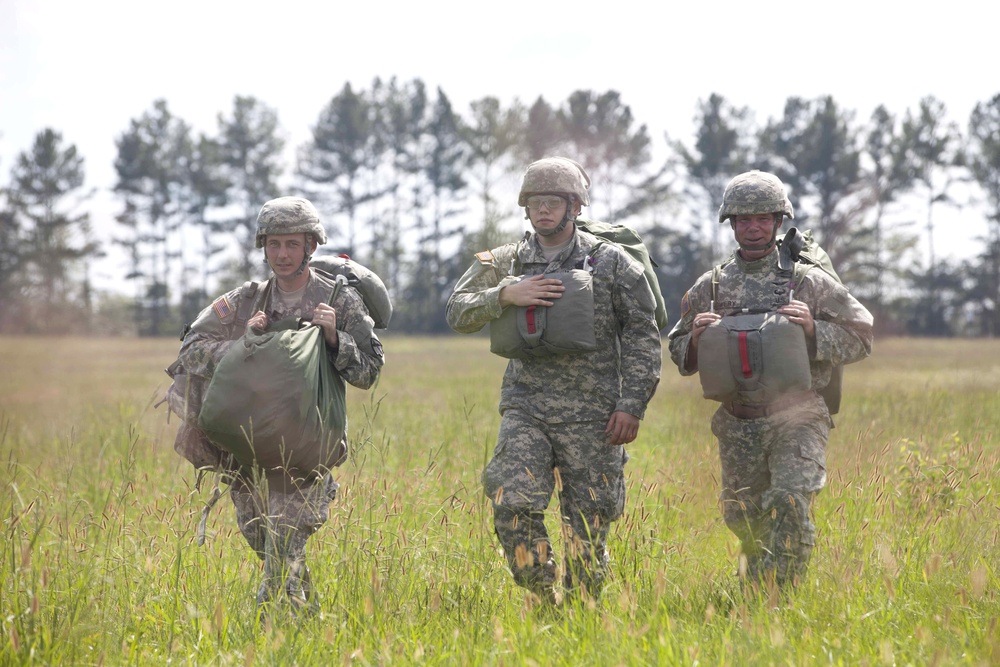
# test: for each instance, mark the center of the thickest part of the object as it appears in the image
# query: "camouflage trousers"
(277, 522)
(772, 468)
(533, 459)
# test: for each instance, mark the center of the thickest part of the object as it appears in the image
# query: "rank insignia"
(222, 307)
(485, 257)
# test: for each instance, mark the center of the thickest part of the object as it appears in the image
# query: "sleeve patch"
(222, 307)
(485, 257)
(686, 304)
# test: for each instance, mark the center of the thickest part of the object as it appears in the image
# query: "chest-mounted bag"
(565, 327)
(753, 358)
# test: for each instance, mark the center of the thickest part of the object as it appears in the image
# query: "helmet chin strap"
(555, 230)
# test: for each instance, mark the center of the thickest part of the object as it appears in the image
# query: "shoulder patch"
(686, 304)
(485, 257)
(222, 307)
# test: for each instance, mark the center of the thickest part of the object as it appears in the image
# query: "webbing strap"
(745, 355)
(243, 312)
(530, 316)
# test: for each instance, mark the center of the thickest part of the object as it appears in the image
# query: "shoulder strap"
(717, 277)
(244, 310)
(799, 272)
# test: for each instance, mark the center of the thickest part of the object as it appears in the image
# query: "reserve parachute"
(759, 356)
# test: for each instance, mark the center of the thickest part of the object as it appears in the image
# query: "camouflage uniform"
(555, 409)
(276, 522)
(773, 466)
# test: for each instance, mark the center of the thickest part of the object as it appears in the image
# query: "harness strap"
(243, 312)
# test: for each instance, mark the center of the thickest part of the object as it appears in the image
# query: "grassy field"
(99, 563)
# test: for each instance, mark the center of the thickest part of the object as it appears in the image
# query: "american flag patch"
(222, 307)
(485, 257)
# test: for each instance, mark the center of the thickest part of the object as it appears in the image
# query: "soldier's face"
(754, 233)
(285, 252)
(546, 211)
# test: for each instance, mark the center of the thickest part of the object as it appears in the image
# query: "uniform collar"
(766, 263)
(530, 250)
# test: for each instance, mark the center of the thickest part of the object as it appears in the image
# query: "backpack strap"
(717, 277)
(799, 272)
(244, 310)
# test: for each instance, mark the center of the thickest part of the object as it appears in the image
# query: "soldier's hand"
(622, 428)
(258, 321)
(798, 312)
(534, 291)
(701, 322)
(325, 317)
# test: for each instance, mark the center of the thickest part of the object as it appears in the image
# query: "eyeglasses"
(550, 202)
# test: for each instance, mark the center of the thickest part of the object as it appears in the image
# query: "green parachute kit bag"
(276, 403)
(799, 253)
(631, 243)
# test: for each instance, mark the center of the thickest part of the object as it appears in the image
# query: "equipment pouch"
(753, 358)
(565, 327)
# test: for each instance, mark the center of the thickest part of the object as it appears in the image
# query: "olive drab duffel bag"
(753, 358)
(565, 327)
(276, 403)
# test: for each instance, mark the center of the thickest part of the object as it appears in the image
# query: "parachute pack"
(799, 253)
(632, 244)
(275, 402)
(565, 327)
(366, 281)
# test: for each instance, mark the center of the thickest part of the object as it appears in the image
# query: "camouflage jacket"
(843, 325)
(621, 375)
(358, 359)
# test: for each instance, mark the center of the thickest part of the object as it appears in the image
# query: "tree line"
(411, 188)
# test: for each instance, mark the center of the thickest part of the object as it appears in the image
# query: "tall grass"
(99, 563)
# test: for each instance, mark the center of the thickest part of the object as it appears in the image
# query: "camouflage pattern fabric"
(755, 192)
(555, 175)
(591, 485)
(276, 525)
(771, 470)
(773, 466)
(274, 521)
(289, 215)
(555, 409)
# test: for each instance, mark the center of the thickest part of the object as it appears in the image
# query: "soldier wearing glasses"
(566, 417)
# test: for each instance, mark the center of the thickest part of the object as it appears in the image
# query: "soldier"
(772, 441)
(276, 520)
(565, 416)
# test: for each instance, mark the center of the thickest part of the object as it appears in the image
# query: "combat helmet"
(555, 175)
(289, 215)
(755, 192)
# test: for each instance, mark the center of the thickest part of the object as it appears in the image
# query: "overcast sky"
(87, 68)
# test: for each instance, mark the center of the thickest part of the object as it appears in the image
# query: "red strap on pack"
(530, 314)
(745, 355)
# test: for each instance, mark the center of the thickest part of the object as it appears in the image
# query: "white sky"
(87, 68)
